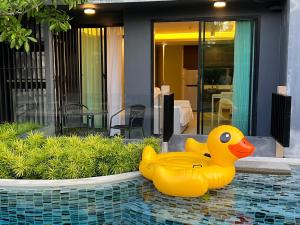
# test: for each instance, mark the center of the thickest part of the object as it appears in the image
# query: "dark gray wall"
(284, 42)
(137, 64)
(138, 76)
(269, 69)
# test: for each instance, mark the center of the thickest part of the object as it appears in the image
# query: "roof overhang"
(179, 1)
(125, 1)
(110, 12)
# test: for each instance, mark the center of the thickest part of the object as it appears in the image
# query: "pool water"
(250, 199)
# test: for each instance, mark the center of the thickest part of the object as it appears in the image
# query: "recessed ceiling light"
(219, 4)
(89, 11)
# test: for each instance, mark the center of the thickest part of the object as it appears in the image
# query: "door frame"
(256, 20)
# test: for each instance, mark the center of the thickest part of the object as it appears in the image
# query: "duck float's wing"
(147, 164)
(183, 183)
(191, 145)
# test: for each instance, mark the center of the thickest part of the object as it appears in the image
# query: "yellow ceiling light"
(89, 11)
(219, 4)
(194, 36)
(176, 36)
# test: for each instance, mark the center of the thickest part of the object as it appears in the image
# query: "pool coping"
(289, 161)
(19, 183)
(15, 183)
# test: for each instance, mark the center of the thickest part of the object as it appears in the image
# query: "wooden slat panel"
(21, 81)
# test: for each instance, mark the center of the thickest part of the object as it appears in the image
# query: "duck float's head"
(227, 144)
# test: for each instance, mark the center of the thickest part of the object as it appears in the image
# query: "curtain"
(242, 75)
(92, 72)
(115, 74)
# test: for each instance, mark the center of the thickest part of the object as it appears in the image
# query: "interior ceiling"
(176, 27)
(192, 26)
(173, 32)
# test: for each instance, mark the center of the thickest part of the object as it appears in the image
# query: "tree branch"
(11, 17)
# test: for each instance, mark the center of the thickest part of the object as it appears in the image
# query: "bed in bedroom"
(183, 113)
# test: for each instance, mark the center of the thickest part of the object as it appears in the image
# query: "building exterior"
(273, 55)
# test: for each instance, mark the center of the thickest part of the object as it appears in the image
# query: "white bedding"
(186, 112)
(182, 103)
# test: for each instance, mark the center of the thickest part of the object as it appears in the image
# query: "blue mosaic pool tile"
(250, 199)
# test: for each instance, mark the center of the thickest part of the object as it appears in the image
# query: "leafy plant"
(13, 12)
(37, 157)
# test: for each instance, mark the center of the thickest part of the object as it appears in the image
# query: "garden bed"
(39, 157)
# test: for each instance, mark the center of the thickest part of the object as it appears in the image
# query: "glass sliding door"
(208, 66)
(226, 75)
(217, 74)
(176, 70)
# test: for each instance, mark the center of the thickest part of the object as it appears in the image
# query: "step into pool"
(250, 199)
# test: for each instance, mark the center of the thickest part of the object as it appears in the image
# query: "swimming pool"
(250, 199)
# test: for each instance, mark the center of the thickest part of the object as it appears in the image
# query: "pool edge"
(19, 183)
(15, 183)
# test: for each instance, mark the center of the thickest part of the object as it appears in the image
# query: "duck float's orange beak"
(242, 149)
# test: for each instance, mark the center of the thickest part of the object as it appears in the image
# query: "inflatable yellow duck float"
(201, 167)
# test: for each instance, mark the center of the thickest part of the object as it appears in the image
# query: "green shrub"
(37, 157)
(17, 128)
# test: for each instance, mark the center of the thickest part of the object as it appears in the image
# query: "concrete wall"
(49, 75)
(293, 74)
(138, 76)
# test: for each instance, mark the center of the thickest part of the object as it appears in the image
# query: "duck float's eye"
(225, 137)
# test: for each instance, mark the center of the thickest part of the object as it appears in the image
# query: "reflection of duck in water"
(190, 174)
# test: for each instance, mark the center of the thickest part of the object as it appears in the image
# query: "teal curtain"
(242, 75)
